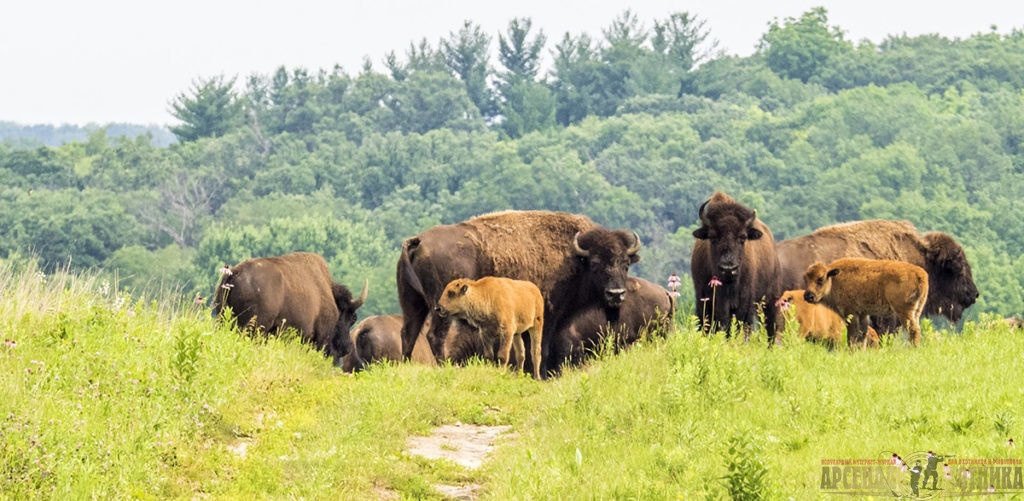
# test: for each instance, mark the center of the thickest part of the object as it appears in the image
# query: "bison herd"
(559, 283)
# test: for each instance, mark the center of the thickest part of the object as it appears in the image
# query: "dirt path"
(467, 445)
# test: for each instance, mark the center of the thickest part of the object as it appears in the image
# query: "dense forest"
(635, 127)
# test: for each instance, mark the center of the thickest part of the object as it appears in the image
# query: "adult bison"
(859, 288)
(648, 308)
(269, 294)
(734, 267)
(379, 337)
(575, 263)
(951, 288)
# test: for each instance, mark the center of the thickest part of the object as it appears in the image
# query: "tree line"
(634, 127)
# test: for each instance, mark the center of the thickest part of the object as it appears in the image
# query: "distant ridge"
(34, 136)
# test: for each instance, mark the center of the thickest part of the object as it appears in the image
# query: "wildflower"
(704, 299)
(226, 271)
(673, 285)
(227, 286)
(715, 282)
(9, 343)
(199, 299)
(783, 304)
(673, 281)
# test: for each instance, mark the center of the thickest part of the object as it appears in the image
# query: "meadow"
(109, 397)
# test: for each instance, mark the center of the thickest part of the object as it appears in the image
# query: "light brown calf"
(502, 308)
(858, 288)
(818, 322)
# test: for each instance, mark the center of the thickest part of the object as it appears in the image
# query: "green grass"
(106, 398)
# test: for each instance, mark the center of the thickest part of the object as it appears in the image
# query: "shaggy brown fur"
(737, 249)
(648, 308)
(951, 285)
(857, 288)
(573, 261)
(500, 308)
(270, 294)
(817, 322)
(379, 337)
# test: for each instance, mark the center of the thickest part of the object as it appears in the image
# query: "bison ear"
(463, 288)
(754, 234)
(701, 233)
(833, 272)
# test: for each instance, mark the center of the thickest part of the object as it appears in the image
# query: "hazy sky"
(75, 61)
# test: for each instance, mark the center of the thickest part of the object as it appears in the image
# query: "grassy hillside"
(114, 399)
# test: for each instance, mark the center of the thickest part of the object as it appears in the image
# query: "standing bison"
(951, 288)
(734, 267)
(502, 310)
(857, 288)
(269, 294)
(575, 263)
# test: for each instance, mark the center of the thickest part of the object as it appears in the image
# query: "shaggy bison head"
(951, 285)
(727, 226)
(605, 257)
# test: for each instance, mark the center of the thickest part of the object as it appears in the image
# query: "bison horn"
(362, 297)
(635, 246)
(576, 246)
(700, 212)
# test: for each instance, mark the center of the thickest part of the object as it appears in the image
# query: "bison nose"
(614, 297)
(729, 271)
(441, 312)
(808, 296)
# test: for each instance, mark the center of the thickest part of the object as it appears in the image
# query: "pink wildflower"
(715, 282)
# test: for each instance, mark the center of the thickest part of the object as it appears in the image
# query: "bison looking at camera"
(269, 294)
(857, 288)
(734, 266)
(499, 308)
(648, 308)
(951, 288)
(575, 263)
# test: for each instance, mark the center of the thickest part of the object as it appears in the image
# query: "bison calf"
(858, 288)
(502, 308)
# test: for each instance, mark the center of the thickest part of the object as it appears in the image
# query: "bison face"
(727, 229)
(452, 298)
(341, 342)
(951, 284)
(818, 281)
(605, 257)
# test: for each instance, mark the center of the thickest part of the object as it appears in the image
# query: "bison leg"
(535, 336)
(507, 336)
(520, 351)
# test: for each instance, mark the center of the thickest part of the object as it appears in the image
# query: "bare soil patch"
(466, 445)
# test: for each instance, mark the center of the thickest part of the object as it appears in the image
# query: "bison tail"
(405, 270)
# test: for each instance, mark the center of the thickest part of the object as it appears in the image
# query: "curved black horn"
(635, 246)
(362, 297)
(576, 246)
(700, 211)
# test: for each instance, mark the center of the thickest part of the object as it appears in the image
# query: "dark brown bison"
(267, 295)
(734, 267)
(648, 308)
(951, 288)
(858, 288)
(379, 337)
(502, 310)
(574, 262)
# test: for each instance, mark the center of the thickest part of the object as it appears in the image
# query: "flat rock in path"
(467, 445)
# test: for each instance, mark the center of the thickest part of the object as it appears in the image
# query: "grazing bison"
(575, 263)
(857, 288)
(294, 290)
(951, 288)
(734, 266)
(379, 337)
(648, 308)
(500, 308)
